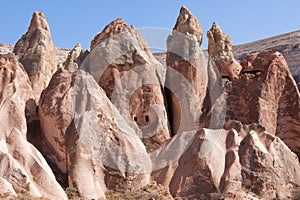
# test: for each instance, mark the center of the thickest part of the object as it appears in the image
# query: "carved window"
(147, 118)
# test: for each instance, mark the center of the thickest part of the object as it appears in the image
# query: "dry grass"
(150, 192)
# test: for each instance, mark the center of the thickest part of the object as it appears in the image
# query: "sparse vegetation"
(149, 192)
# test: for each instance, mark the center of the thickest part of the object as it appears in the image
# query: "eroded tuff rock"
(37, 53)
(114, 28)
(232, 162)
(96, 144)
(5, 48)
(85, 134)
(21, 164)
(220, 52)
(123, 65)
(6, 189)
(269, 168)
(267, 94)
(189, 25)
(75, 58)
(187, 73)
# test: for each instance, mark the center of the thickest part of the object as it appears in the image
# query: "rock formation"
(6, 189)
(220, 52)
(5, 49)
(85, 134)
(265, 157)
(187, 73)
(36, 52)
(287, 44)
(189, 25)
(75, 58)
(116, 123)
(22, 166)
(267, 94)
(132, 79)
(233, 162)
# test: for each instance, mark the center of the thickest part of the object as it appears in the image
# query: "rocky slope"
(115, 123)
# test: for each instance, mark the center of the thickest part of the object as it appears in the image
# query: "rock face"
(115, 27)
(265, 157)
(233, 162)
(75, 58)
(132, 79)
(22, 166)
(36, 52)
(6, 189)
(187, 73)
(220, 52)
(267, 94)
(189, 25)
(85, 134)
(6, 48)
(287, 44)
(116, 123)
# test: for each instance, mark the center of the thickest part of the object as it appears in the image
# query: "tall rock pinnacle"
(188, 25)
(36, 52)
(187, 72)
(220, 51)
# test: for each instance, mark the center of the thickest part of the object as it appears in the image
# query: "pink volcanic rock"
(123, 65)
(21, 163)
(75, 58)
(267, 94)
(189, 25)
(187, 76)
(86, 137)
(232, 162)
(220, 52)
(6, 189)
(37, 53)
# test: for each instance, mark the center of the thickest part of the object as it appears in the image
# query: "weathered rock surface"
(110, 141)
(287, 44)
(36, 52)
(187, 73)
(132, 79)
(6, 48)
(189, 25)
(15, 86)
(220, 52)
(232, 162)
(267, 94)
(20, 163)
(85, 134)
(269, 168)
(6, 189)
(75, 58)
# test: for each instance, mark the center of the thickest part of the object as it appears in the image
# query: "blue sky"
(78, 21)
